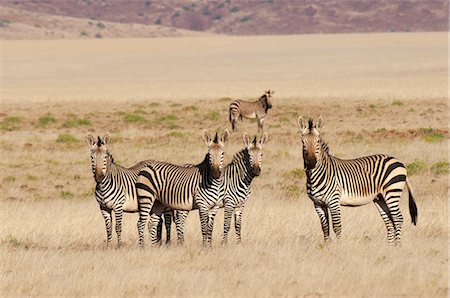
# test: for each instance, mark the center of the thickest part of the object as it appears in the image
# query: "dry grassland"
(52, 236)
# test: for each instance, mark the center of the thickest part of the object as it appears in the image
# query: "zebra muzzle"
(311, 162)
(256, 171)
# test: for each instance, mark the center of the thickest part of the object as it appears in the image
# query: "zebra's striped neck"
(322, 161)
(241, 164)
(205, 169)
(111, 168)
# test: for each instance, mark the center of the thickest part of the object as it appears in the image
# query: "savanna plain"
(377, 93)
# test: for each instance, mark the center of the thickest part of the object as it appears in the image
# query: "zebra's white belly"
(130, 205)
(349, 200)
(250, 115)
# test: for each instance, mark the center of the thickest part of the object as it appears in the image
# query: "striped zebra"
(238, 176)
(115, 188)
(162, 185)
(250, 110)
(332, 182)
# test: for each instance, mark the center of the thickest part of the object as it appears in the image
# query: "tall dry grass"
(53, 236)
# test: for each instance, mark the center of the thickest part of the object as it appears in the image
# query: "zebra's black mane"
(216, 138)
(324, 146)
(263, 100)
(99, 142)
(110, 156)
(310, 124)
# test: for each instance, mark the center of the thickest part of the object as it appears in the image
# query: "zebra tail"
(412, 203)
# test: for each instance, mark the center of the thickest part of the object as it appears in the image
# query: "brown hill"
(241, 17)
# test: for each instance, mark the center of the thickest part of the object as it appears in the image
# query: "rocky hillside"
(240, 17)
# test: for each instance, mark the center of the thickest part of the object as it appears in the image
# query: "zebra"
(163, 185)
(115, 188)
(238, 176)
(256, 109)
(332, 182)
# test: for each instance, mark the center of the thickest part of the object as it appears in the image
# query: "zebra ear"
(246, 139)
(225, 137)
(319, 122)
(264, 139)
(90, 141)
(207, 137)
(301, 123)
(106, 138)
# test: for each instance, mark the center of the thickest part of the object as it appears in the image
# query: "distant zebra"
(238, 176)
(116, 186)
(163, 185)
(332, 182)
(250, 110)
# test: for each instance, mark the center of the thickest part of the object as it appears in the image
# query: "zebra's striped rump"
(332, 182)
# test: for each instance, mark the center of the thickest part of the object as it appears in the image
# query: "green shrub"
(10, 123)
(380, 130)
(67, 195)
(134, 118)
(32, 178)
(101, 25)
(416, 167)
(440, 168)
(46, 120)
(66, 138)
(213, 115)
(397, 102)
(429, 135)
(9, 179)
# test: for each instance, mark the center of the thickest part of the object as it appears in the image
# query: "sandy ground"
(357, 66)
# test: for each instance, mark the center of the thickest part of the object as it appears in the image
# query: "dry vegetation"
(52, 240)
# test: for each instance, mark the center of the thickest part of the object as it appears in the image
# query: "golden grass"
(52, 240)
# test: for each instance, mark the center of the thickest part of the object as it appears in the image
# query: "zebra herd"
(156, 188)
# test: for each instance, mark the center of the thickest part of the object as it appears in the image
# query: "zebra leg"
(168, 223)
(156, 223)
(211, 216)
(260, 124)
(335, 210)
(228, 212)
(145, 206)
(158, 229)
(392, 201)
(118, 213)
(180, 219)
(204, 225)
(238, 223)
(323, 216)
(386, 216)
(107, 216)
